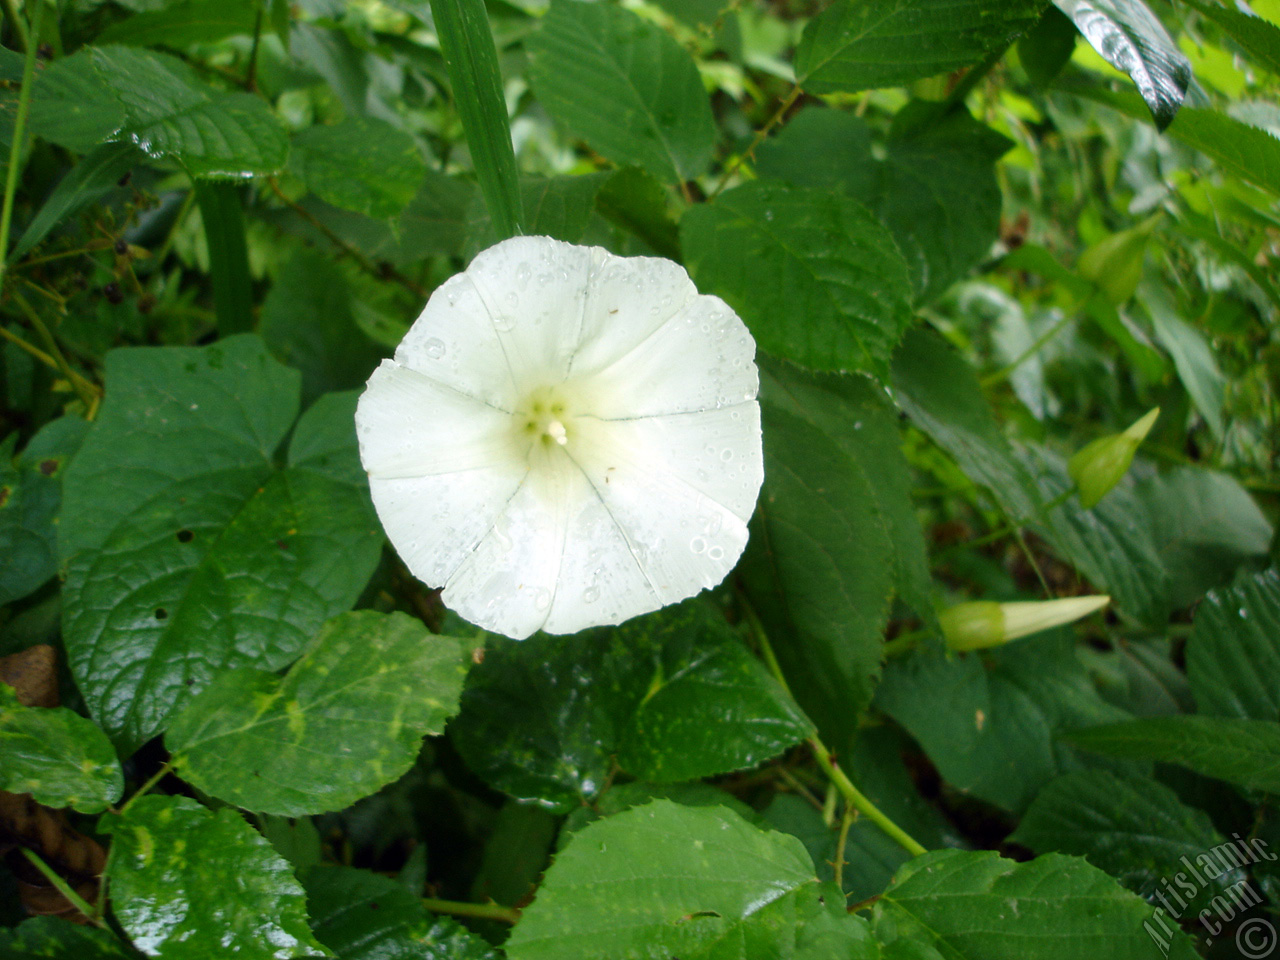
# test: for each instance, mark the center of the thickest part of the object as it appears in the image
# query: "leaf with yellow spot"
(336, 727)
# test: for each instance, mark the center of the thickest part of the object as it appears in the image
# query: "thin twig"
(64, 888)
(850, 814)
(763, 132)
(484, 911)
(19, 133)
(89, 393)
(146, 788)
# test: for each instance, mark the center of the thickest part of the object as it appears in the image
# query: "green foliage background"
(970, 238)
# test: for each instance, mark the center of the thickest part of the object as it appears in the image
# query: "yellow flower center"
(544, 422)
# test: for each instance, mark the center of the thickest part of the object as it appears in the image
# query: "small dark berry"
(113, 292)
(121, 247)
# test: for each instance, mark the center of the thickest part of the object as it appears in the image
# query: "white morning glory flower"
(565, 438)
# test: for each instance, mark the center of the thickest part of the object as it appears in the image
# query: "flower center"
(544, 422)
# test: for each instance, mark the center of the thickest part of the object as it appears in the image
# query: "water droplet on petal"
(716, 553)
(698, 544)
(542, 598)
(591, 595)
(434, 348)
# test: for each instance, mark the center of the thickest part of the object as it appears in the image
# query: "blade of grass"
(472, 62)
(219, 202)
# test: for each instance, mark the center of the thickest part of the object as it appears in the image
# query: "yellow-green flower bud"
(984, 623)
(1098, 466)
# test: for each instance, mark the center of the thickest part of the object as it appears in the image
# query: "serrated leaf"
(57, 939)
(30, 500)
(854, 46)
(1260, 38)
(120, 94)
(88, 181)
(816, 277)
(308, 321)
(624, 86)
(184, 23)
(1233, 654)
(1130, 38)
(183, 877)
(187, 550)
(348, 718)
(939, 172)
(57, 756)
(559, 207)
(636, 202)
(364, 916)
(1136, 829)
(360, 163)
(1241, 150)
(992, 729)
(941, 394)
(673, 695)
(1205, 526)
(1047, 47)
(610, 892)
(1244, 752)
(975, 904)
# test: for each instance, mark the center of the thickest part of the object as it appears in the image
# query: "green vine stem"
(64, 888)
(146, 788)
(482, 911)
(826, 760)
(19, 129)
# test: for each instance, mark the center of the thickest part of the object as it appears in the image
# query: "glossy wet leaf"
(1240, 751)
(1136, 829)
(1234, 649)
(360, 163)
(188, 551)
(855, 46)
(993, 730)
(815, 566)
(673, 695)
(1259, 37)
(361, 915)
(184, 877)
(56, 938)
(347, 718)
(975, 904)
(1133, 40)
(623, 86)
(610, 892)
(121, 94)
(816, 277)
(57, 756)
(30, 500)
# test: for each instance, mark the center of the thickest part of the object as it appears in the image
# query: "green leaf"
(941, 394)
(627, 795)
(817, 566)
(348, 718)
(636, 202)
(624, 86)
(1130, 38)
(939, 172)
(363, 916)
(183, 877)
(93, 178)
(855, 415)
(1247, 152)
(815, 276)
(991, 728)
(1192, 355)
(184, 23)
(120, 94)
(58, 939)
(1259, 38)
(1234, 651)
(1134, 828)
(187, 551)
(976, 904)
(308, 322)
(360, 163)
(57, 756)
(559, 207)
(673, 695)
(855, 46)
(223, 223)
(1204, 527)
(611, 892)
(472, 63)
(1045, 49)
(1244, 752)
(30, 499)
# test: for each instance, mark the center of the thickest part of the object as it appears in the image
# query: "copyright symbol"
(1255, 938)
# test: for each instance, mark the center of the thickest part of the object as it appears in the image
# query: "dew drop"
(591, 595)
(716, 553)
(523, 273)
(434, 348)
(698, 544)
(703, 476)
(542, 598)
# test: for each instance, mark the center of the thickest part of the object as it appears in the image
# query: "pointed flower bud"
(984, 623)
(1098, 466)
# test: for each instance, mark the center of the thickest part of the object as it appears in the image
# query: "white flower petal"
(702, 358)
(534, 290)
(411, 426)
